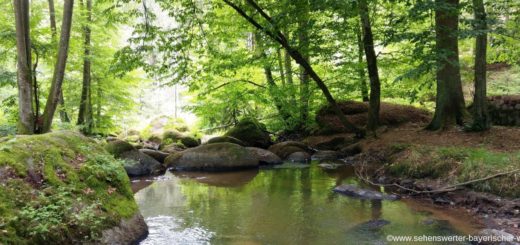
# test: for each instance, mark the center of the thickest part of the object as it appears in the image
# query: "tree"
(361, 68)
(280, 38)
(59, 70)
(449, 103)
(303, 41)
(26, 124)
(52, 20)
(373, 73)
(481, 120)
(85, 109)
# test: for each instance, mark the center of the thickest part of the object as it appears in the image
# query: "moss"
(60, 188)
(459, 164)
(118, 147)
(252, 132)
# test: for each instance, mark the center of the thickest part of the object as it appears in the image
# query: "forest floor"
(477, 172)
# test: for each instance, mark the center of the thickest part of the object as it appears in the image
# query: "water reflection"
(277, 206)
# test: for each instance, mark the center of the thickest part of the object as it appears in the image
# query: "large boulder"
(118, 147)
(137, 164)
(326, 155)
(70, 178)
(190, 142)
(264, 156)
(157, 155)
(172, 136)
(226, 139)
(251, 132)
(284, 149)
(213, 157)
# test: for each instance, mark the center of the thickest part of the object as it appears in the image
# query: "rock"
(360, 193)
(213, 157)
(284, 149)
(251, 132)
(157, 155)
(117, 147)
(374, 224)
(325, 155)
(171, 136)
(226, 139)
(351, 150)
(301, 157)
(265, 157)
(291, 165)
(173, 148)
(85, 191)
(128, 231)
(190, 142)
(137, 163)
(330, 165)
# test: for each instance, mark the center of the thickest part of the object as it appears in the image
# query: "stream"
(289, 204)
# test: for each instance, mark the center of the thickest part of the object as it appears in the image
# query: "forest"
(259, 121)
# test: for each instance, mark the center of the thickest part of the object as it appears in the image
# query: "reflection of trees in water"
(284, 206)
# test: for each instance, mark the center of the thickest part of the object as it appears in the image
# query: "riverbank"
(475, 172)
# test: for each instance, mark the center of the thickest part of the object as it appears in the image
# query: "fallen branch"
(440, 190)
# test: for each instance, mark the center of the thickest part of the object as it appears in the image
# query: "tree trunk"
(481, 120)
(59, 70)
(375, 85)
(85, 107)
(297, 56)
(361, 66)
(52, 18)
(303, 41)
(450, 108)
(280, 66)
(25, 80)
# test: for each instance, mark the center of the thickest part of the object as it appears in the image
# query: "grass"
(60, 188)
(460, 164)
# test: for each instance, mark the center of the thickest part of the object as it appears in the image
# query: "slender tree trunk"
(361, 69)
(288, 68)
(303, 40)
(481, 120)
(280, 66)
(297, 56)
(52, 18)
(450, 108)
(273, 88)
(26, 118)
(85, 107)
(59, 70)
(375, 85)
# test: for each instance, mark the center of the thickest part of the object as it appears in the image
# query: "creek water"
(290, 204)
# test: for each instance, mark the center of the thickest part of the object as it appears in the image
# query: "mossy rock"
(284, 149)
(251, 132)
(213, 157)
(264, 156)
(226, 139)
(162, 124)
(63, 188)
(118, 147)
(190, 142)
(172, 148)
(172, 136)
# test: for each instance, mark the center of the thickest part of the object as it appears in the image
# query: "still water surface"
(279, 206)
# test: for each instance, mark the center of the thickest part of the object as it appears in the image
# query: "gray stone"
(301, 157)
(137, 163)
(157, 155)
(357, 192)
(128, 231)
(264, 156)
(325, 155)
(213, 157)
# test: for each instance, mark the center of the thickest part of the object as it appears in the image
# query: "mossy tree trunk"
(449, 105)
(481, 120)
(26, 117)
(373, 73)
(59, 70)
(85, 108)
